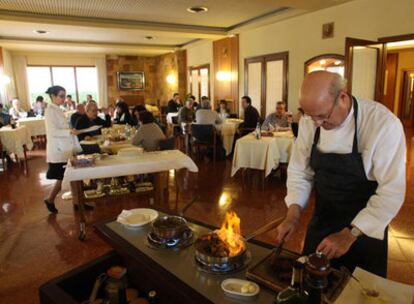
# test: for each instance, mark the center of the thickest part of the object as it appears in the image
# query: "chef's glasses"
(323, 118)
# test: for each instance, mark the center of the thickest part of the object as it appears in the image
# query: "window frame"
(198, 68)
(63, 66)
(320, 57)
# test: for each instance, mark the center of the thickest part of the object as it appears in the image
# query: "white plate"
(233, 287)
(137, 217)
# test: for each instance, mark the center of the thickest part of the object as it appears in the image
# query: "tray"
(264, 274)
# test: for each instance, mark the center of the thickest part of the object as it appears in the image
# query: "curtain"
(20, 78)
(100, 64)
(7, 89)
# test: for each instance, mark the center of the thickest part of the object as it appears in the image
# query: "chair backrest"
(233, 115)
(167, 144)
(203, 133)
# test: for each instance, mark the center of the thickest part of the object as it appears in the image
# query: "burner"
(224, 268)
(183, 241)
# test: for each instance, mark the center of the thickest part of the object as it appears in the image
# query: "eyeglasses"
(323, 118)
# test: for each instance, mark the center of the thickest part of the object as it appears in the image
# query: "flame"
(229, 233)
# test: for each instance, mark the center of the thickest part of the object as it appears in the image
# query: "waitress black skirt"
(55, 171)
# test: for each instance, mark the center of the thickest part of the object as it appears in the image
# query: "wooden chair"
(3, 157)
(204, 135)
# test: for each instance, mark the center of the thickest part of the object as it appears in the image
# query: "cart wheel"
(82, 232)
(82, 236)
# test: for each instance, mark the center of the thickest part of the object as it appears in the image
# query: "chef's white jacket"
(381, 141)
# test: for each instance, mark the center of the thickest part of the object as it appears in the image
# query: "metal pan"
(169, 226)
(204, 257)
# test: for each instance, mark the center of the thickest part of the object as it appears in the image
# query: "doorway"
(381, 70)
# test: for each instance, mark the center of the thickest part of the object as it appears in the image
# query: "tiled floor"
(36, 246)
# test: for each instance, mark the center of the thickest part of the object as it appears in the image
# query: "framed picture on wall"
(131, 81)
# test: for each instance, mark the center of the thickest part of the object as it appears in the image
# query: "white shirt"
(61, 145)
(207, 117)
(381, 141)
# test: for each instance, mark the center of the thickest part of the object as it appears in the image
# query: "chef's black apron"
(342, 190)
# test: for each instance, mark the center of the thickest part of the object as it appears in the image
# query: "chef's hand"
(337, 244)
(288, 226)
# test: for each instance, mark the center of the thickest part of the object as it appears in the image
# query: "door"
(390, 81)
(364, 68)
(254, 84)
(406, 111)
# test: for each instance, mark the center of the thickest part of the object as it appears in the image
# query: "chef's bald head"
(319, 94)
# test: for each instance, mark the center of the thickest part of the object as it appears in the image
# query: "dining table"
(264, 154)
(16, 141)
(227, 131)
(116, 166)
(35, 125)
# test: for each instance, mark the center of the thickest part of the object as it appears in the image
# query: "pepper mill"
(317, 269)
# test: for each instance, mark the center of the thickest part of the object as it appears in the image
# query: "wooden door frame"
(403, 121)
(263, 59)
(381, 61)
(396, 38)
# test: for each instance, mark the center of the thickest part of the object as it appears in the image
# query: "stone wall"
(157, 89)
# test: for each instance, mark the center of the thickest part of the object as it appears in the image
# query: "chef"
(352, 153)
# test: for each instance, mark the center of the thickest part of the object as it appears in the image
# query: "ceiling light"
(41, 32)
(197, 9)
(322, 62)
(337, 62)
(149, 37)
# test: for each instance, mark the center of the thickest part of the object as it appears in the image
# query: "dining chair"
(204, 135)
(3, 157)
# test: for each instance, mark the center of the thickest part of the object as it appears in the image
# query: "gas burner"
(183, 241)
(223, 268)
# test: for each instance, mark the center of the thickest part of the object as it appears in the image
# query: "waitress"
(61, 143)
(352, 153)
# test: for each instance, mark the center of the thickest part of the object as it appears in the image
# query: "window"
(200, 81)
(327, 62)
(78, 81)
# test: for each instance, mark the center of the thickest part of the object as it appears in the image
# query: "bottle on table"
(258, 131)
(115, 288)
(294, 294)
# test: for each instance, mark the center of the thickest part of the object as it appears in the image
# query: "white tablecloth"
(263, 154)
(170, 116)
(14, 139)
(35, 125)
(113, 166)
(227, 131)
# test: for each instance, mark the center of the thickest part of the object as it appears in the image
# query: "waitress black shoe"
(87, 207)
(50, 206)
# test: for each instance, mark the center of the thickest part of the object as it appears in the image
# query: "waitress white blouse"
(61, 144)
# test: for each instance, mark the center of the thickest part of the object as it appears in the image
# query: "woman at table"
(61, 142)
(135, 114)
(223, 111)
(123, 116)
(149, 133)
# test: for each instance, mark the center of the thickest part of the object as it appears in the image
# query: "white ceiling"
(118, 23)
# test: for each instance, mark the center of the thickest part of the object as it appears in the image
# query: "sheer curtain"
(102, 83)
(20, 77)
(7, 89)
